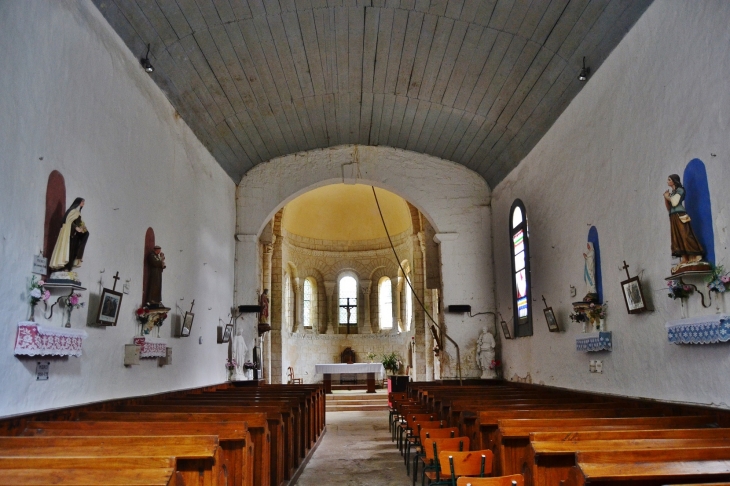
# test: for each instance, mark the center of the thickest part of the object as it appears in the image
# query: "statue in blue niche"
(685, 244)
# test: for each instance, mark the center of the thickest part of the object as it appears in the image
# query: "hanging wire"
(397, 260)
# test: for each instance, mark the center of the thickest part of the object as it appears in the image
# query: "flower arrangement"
(371, 356)
(590, 314)
(149, 319)
(37, 292)
(248, 365)
(72, 301)
(677, 290)
(391, 362)
(142, 315)
(719, 280)
(231, 364)
(495, 364)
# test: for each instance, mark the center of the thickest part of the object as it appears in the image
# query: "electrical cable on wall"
(397, 260)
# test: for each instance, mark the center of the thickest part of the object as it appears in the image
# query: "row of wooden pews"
(255, 435)
(553, 435)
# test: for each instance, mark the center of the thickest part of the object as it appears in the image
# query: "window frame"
(312, 300)
(522, 326)
(381, 304)
(357, 300)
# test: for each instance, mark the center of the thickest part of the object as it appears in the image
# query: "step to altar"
(356, 401)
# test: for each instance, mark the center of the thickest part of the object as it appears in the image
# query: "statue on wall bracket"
(685, 244)
(68, 252)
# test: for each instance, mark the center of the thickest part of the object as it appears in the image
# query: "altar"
(328, 370)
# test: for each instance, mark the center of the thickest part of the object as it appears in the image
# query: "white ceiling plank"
(257, 8)
(192, 15)
(565, 24)
(323, 29)
(438, 128)
(453, 9)
(315, 109)
(256, 131)
(456, 42)
(256, 77)
(342, 27)
(266, 41)
(219, 69)
(330, 117)
(299, 55)
(366, 116)
(159, 21)
(532, 18)
(517, 16)
(397, 35)
(418, 120)
(485, 11)
(447, 132)
(209, 13)
(410, 44)
(459, 133)
(438, 7)
(476, 65)
(175, 17)
(435, 57)
(465, 56)
(396, 121)
(433, 114)
(496, 54)
(356, 19)
(503, 71)
(385, 27)
(286, 59)
(311, 49)
(239, 132)
(386, 118)
(548, 21)
(192, 50)
(375, 120)
(469, 134)
(354, 133)
(269, 113)
(241, 9)
(407, 124)
(295, 123)
(233, 66)
(256, 50)
(526, 84)
(303, 114)
(272, 7)
(500, 14)
(370, 40)
(425, 39)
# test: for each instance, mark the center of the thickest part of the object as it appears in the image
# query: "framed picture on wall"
(505, 330)
(227, 333)
(552, 322)
(187, 324)
(633, 296)
(109, 306)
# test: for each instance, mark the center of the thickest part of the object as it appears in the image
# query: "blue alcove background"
(593, 238)
(699, 208)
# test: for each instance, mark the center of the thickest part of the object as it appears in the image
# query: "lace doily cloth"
(594, 341)
(151, 348)
(36, 340)
(699, 330)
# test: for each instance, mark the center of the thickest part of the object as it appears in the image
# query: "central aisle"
(356, 451)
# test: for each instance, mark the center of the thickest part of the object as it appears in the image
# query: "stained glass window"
(520, 270)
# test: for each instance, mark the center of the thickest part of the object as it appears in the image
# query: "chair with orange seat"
(425, 433)
(511, 480)
(406, 427)
(414, 437)
(461, 464)
(432, 448)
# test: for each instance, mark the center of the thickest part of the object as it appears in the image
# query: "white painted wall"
(452, 197)
(72, 94)
(660, 100)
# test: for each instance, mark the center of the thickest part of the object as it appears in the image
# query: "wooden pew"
(258, 427)
(198, 457)
(88, 471)
(237, 451)
(280, 429)
(513, 435)
(651, 467)
(549, 462)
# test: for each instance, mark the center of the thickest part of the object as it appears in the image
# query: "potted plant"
(391, 362)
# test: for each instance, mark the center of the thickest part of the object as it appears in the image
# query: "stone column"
(268, 251)
(395, 293)
(298, 304)
(364, 325)
(420, 321)
(330, 287)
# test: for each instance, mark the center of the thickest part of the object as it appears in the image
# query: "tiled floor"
(356, 451)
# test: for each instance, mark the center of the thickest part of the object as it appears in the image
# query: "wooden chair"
(432, 448)
(420, 454)
(291, 379)
(511, 480)
(468, 463)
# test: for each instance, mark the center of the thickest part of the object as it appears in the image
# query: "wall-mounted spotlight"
(145, 61)
(584, 72)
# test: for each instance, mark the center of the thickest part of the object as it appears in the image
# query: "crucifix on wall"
(349, 304)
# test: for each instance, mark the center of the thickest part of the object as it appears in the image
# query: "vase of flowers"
(678, 290)
(371, 356)
(231, 368)
(71, 302)
(36, 293)
(719, 281)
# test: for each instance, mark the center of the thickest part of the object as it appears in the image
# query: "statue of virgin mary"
(589, 274)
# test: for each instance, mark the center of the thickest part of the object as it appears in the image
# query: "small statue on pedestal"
(68, 252)
(156, 263)
(685, 244)
(486, 354)
(239, 352)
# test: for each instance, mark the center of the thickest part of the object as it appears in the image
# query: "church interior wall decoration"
(592, 310)
(110, 305)
(187, 323)
(227, 333)
(552, 322)
(505, 329)
(632, 292)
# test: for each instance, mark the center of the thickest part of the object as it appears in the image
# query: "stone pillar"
(420, 321)
(275, 303)
(268, 251)
(298, 304)
(395, 292)
(364, 325)
(330, 287)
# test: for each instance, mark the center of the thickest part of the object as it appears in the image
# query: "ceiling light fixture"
(145, 61)
(584, 72)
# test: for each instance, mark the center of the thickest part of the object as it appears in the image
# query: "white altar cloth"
(337, 368)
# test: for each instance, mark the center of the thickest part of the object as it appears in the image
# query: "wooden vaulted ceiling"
(478, 82)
